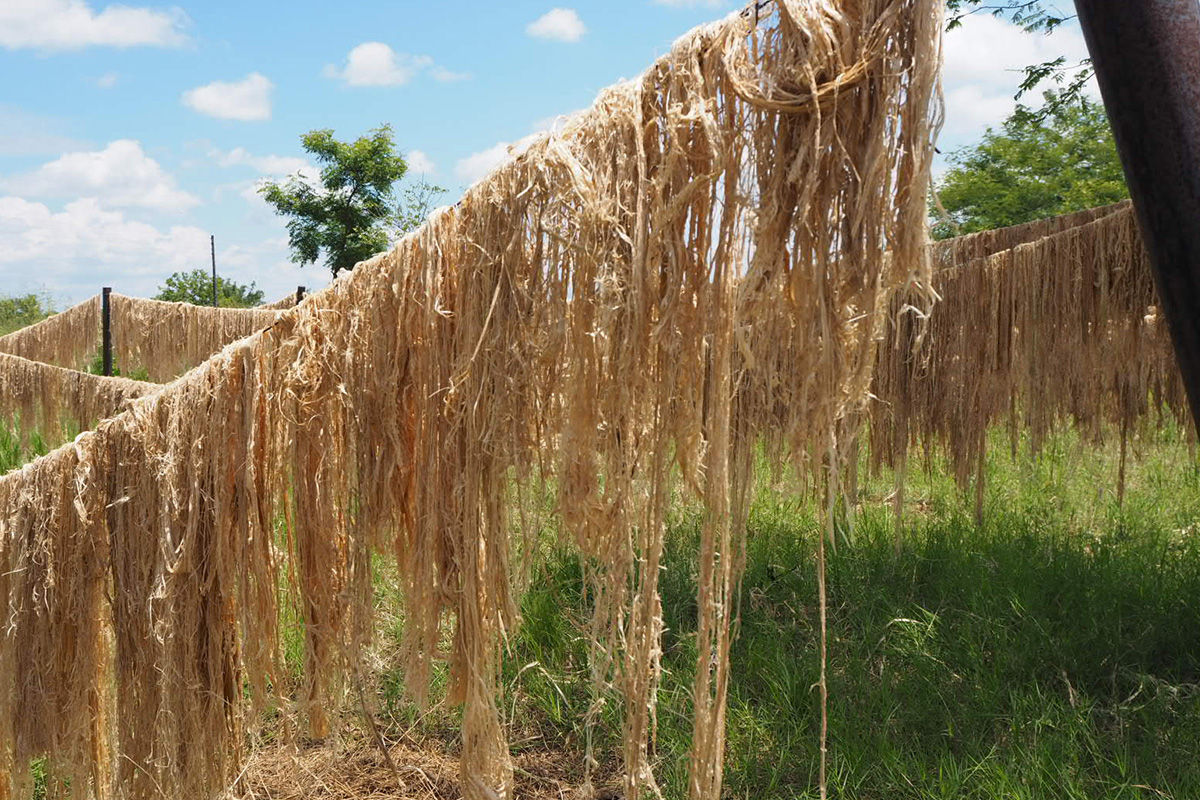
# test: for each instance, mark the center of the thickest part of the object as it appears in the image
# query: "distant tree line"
(20, 311)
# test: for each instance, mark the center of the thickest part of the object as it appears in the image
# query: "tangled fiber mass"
(691, 269)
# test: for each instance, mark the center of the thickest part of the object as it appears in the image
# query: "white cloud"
(120, 175)
(23, 133)
(477, 165)
(107, 81)
(273, 165)
(247, 100)
(377, 64)
(420, 163)
(561, 24)
(257, 212)
(447, 76)
(690, 3)
(266, 263)
(80, 245)
(75, 251)
(971, 108)
(984, 59)
(73, 24)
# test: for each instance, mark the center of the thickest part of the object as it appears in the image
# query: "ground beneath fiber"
(358, 770)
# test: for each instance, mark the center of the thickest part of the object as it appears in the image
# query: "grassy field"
(1052, 653)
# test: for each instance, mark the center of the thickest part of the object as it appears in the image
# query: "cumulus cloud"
(560, 24)
(690, 3)
(247, 100)
(377, 64)
(420, 163)
(477, 165)
(119, 176)
(84, 246)
(74, 24)
(984, 59)
(272, 165)
(268, 167)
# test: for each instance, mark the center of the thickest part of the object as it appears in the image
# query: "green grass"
(1054, 653)
(15, 453)
(96, 367)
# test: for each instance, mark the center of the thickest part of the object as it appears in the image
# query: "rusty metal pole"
(1147, 59)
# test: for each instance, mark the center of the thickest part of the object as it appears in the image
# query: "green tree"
(22, 310)
(195, 287)
(1035, 166)
(349, 213)
(418, 200)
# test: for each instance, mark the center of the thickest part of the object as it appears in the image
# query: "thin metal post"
(106, 334)
(1147, 59)
(212, 243)
(299, 294)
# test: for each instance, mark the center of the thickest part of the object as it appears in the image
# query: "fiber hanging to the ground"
(1060, 328)
(629, 307)
(53, 400)
(68, 339)
(167, 339)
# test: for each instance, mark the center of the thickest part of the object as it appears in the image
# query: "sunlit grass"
(1052, 653)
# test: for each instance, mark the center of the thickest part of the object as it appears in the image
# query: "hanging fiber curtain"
(630, 307)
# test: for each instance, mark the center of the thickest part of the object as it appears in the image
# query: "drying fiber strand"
(68, 339)
(54, 401)
(699, 265)
(1061, 328)
(167, 339)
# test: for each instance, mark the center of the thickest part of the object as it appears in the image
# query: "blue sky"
(129, 133)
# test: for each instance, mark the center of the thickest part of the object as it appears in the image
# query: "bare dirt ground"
(355, 768)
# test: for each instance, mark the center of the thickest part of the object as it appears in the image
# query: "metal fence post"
(106, 335)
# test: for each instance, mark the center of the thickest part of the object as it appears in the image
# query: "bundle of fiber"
(1061, 328)
(167, 339)
(55, 650)
(119, 597)
(67, 339)
(54, 400)
(628, 307)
